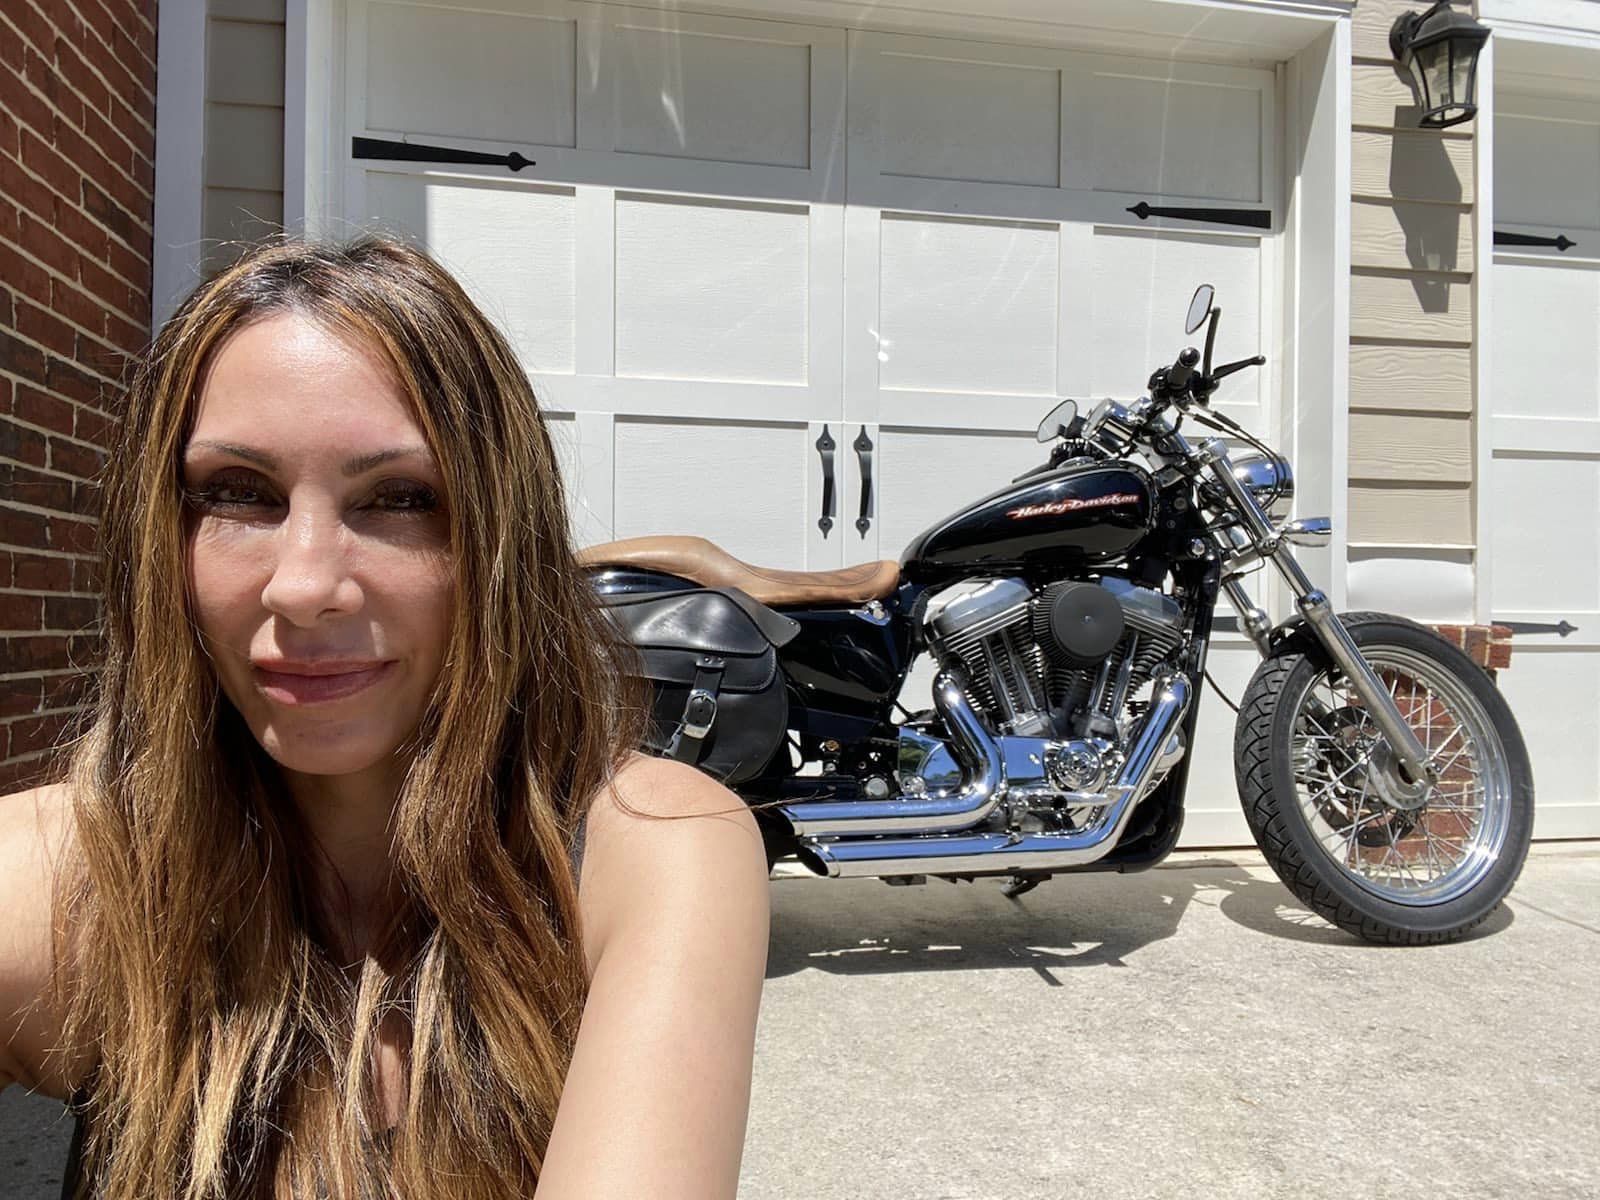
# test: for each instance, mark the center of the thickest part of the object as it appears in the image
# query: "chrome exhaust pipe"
(982, 786)
(1157, 750)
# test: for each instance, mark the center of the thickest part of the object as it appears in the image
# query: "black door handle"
(825, 445)
(863, 448)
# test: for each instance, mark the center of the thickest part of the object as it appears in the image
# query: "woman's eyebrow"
(358, 465)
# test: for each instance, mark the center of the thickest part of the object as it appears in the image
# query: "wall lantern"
(1440, 50)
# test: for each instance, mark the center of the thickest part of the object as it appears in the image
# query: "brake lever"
(1227, 369)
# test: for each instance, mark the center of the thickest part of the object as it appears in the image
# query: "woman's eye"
(405, 498)
(227, 494)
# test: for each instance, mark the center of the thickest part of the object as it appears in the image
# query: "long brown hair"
(233, 1056)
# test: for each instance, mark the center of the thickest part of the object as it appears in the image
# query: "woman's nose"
(311, 575)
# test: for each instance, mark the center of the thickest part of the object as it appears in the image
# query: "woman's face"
(319, 552)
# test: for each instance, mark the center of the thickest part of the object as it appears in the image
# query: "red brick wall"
(77, 186)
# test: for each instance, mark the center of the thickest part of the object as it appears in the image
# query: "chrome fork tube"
(1318, 612)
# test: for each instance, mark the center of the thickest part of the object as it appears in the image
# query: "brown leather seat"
(709, 565)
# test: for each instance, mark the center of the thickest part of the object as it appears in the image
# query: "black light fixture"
(1440, 50)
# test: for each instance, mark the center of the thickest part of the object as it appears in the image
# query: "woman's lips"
(289, 688)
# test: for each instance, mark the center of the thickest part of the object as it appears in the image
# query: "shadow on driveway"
(861, 927)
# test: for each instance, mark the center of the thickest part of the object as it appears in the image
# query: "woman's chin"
(349, 754)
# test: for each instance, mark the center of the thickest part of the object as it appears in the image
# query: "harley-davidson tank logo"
(1072, 504)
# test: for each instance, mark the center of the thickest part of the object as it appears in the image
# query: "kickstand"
(1019, 885)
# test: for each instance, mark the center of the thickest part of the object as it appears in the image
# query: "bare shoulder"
(35, 838)
(665, 836)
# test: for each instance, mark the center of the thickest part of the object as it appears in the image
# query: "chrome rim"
(1357, 808)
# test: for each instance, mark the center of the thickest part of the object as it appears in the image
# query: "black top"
(73, 1171)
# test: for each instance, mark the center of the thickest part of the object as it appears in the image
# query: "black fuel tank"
(1084, 513)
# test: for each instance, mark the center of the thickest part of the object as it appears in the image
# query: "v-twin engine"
(1061, 662)
(1043, 751)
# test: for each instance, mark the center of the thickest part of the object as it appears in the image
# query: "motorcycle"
(1069, 613)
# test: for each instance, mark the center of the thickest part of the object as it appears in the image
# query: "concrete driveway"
(1188, 1032)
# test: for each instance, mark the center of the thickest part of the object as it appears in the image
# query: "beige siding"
(1410, 515)
(1412, 258)
(1419, 378)
(1426, 237)
(243, 175)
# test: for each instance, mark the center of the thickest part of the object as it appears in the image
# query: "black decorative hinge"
(1254, 218)
(363, 147)
(1561, 241)
(1562, 629)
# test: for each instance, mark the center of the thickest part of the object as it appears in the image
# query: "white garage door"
(1545, 484)
(743, 234)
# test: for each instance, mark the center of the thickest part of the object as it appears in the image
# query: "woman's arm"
(33, 825)
(675, 916)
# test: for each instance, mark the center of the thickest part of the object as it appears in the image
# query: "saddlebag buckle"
(699, 710)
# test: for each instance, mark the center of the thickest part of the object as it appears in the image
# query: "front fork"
(1410, 756)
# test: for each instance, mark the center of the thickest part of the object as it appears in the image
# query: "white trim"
(1482, 325)
(180, 153)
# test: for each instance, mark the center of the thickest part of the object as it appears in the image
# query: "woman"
(306, 915)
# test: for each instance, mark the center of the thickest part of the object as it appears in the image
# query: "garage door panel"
(967, 306)
(1142, 282)
(927, 474)
(512, 77)
(1547, 163)
(512, 246)
(743, 485)
(711, 290)
(1556, 694)
(1175, 137)
(1540, 368)
(702, 95)
(1545, 545)
(946, 118)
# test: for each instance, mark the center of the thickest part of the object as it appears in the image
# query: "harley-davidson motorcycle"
(1069, 613)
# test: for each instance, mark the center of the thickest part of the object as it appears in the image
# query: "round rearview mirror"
(1199, 307)
(1056, 421)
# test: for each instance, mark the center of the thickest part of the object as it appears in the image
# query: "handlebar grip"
(1180, 373)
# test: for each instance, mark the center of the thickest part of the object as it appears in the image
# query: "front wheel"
(1341, 825)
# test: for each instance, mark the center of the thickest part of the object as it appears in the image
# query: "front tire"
(1339, 827)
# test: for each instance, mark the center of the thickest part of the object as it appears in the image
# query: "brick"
(22, 103)
(41, 573)
(127, 336)
(99, 357)
(1499, 647)
(8, 320)
(97, 21)
(73, 459)
(21, 612)
(76, 305)
(111, 214)
(73, 382)
(126, 122)
(17, 357)
(93, 426)
(70, 535)
(24, 530)
(107, 288)
(8, 213)
(82, 231)
(32, 25)
(33, 734)
(40, 325)
(95, 161)
(68, 690)
(86, 499)
(22, 444)
(41, 408)
(47, 246)
(13, 50)
(38, 489)
(31, 196)
(116, 75)
(50, 165)
(1476, 643)
(86, 575)
(19, 697)
(71, 613)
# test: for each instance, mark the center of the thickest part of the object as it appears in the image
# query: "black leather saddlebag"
(712, 664)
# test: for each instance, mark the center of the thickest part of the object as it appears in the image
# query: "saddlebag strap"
(699, 711)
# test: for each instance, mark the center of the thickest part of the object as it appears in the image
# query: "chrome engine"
(1027, 680)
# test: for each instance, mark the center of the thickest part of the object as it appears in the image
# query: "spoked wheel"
(1380, 855)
